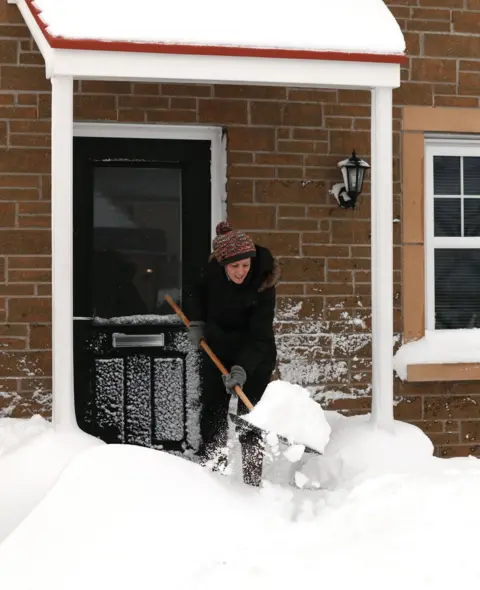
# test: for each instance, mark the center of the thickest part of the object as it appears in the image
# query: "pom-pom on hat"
(231, 245)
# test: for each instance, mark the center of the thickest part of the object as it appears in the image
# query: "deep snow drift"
(375, 510)
(32, 456)
(123, 516)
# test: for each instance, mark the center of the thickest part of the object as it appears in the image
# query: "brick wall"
(283, 146)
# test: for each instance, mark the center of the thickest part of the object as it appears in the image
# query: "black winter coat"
(238, 318)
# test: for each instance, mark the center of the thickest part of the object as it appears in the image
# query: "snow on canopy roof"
(248, 27)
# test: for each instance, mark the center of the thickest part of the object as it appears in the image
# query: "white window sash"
(442, 147)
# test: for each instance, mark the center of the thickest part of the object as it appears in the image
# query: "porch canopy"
(310, 43)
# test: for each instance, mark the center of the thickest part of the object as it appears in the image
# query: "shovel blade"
(243, 426)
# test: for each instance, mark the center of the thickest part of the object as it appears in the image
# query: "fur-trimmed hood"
(272, 278)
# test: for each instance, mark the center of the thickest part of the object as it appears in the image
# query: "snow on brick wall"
(332, 365)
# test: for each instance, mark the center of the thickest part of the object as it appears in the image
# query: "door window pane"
(457, 288)
(446, 175)
(137, 239)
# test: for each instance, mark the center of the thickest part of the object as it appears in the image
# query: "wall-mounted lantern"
(353, 172)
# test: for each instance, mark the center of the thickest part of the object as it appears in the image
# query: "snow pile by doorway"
(123, 516)
(358, 449)
(32, 456)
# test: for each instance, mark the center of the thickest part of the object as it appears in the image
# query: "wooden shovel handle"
(238, 390)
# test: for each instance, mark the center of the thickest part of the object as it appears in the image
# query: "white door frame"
(63, 131)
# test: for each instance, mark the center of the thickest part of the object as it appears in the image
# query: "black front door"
(142, 211)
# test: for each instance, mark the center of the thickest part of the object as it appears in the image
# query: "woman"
(232, 307)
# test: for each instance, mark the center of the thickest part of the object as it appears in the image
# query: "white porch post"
(382, 258)
(62, 253)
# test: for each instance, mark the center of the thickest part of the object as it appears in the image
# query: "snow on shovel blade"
(288, 410)
(245, 426)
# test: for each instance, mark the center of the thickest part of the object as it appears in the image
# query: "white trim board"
(218, 170)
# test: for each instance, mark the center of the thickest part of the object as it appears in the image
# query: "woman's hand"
(237, 376)
(196, 332)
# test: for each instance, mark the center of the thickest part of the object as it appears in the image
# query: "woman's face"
(237, 271)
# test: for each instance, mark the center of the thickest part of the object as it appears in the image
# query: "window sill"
(441, 355)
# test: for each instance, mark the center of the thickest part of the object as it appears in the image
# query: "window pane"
(471, 217)
(447, 216)
(137, 239)
(471, 176)
(457, 289)
(446, 175)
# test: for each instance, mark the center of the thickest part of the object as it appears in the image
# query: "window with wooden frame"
(440, 244)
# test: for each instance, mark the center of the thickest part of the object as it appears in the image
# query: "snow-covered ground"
(118, 516)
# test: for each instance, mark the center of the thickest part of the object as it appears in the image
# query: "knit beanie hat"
(231, 245)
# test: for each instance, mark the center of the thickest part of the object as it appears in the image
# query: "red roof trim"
(131, 46)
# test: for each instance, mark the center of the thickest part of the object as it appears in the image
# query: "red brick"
(29, 276)
(441, 3)
(15, 364)
(290, 173)
(291, 211)
(414, 93)
(142, 102)
(26, 99)
(466, 22)
(21, 262)
(25, 242)
(465, 46)
(456, 101)
(240, 191)
(14, 32)
(344, 142)
(30, 310)
(251, 171)
(30, 58)
(469, 83)
(258, 92)
(24, 160)
(24, 78)
(279, 159)
(280, 243)
(146, 88)
(303, 114)
(40, 337)
(296, 269)
(266, 113)
(434, 70)
(7, 214)
(292, 192)
(186, 90)
(222, 111)
(171, 116)
(428, 25)
(312, 95)
(252, 217)
(260, 139)
(105, 87)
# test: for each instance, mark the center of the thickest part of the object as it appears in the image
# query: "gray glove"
(237, 376)
(196, 332)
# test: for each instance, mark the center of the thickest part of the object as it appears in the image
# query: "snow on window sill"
(441, 355)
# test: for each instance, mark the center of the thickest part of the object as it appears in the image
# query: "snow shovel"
(237, 420)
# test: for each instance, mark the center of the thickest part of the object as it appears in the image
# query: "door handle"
(137, 340)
